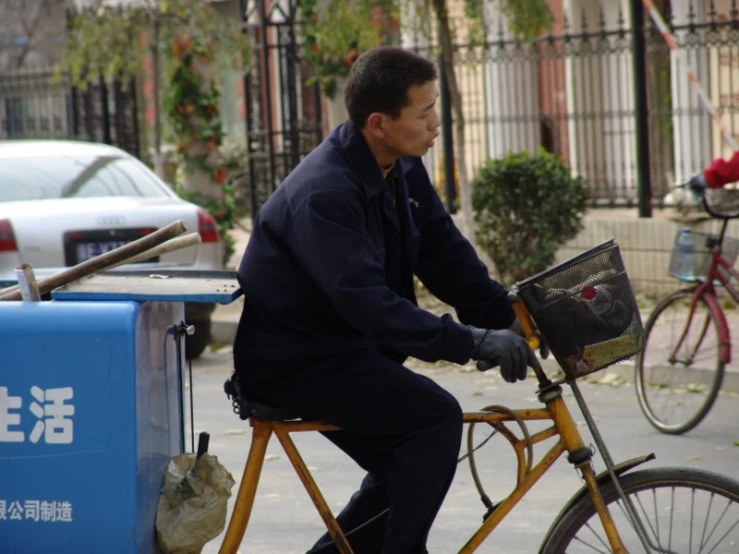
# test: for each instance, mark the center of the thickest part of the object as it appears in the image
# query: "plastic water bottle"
(683, 265)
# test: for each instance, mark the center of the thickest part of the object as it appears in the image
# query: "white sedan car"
(63, 202)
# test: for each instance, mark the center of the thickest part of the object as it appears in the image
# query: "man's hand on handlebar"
(504, 348)
(543, 348)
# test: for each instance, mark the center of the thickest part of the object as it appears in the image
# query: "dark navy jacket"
(330, 262)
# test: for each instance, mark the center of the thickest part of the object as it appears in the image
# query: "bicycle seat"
(247, 407)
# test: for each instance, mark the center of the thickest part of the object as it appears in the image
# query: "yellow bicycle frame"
(564, 427)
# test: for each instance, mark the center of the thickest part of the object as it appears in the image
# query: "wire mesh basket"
(691, 262)
(585, 310)
(723, 201)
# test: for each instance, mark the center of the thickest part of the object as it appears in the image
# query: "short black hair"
(379, 81)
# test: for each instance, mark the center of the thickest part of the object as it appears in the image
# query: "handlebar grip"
(527, 326)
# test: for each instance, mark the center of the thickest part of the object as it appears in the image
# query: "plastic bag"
(192, 506)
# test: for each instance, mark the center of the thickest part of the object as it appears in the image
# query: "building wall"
(32, 33)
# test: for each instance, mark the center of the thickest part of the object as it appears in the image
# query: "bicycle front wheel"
(683, 510)
(679, 372)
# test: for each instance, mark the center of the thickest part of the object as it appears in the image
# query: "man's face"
(413, 133)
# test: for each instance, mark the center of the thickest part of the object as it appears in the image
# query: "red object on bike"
(588, 292)
(722, 172)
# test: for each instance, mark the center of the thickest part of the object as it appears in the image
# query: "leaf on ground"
(611, 379)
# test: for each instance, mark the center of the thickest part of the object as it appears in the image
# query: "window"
(37, 178)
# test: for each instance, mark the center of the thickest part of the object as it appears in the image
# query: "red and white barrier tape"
(680, 59)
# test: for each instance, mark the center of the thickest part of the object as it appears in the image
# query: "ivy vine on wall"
(191, 105)
(335, 32)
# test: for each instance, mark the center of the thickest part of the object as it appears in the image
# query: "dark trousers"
(401, 427)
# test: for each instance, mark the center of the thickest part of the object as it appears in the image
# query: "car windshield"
(39, 178)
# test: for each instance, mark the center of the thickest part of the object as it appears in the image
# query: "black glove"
(504, 348)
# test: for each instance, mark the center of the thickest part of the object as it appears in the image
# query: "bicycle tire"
(722, 491)
(662, 383)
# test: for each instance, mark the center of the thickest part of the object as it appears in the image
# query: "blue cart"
(92, 409)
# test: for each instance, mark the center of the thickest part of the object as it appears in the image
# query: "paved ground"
(284, 521)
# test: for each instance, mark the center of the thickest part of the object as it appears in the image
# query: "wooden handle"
(103, 261)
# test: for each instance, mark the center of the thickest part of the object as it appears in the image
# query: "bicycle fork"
(590, 480)
(581, 457)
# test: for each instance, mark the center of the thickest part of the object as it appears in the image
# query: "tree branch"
(447, 57)
(29, 29)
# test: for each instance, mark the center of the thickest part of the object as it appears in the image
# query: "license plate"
(87, 250)
(80, 246)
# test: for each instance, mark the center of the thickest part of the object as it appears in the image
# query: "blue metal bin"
(91, 410)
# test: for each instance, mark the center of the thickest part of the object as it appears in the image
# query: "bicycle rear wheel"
(683, 510)
(676, 387)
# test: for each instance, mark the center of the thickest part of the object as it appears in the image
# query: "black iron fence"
(575, 94)
(30, 106)
(283, 112)
(33, 105)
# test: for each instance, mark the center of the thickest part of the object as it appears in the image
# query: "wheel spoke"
(672, 516)
(644, 512)
(699, 509)
(705, 522)
(692, 511)
(656, 515)
(724, 536)
(593, 548)
(729, 530)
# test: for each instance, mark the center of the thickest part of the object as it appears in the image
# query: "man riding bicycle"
(330, 311)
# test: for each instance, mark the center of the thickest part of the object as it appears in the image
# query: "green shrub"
(526, 206)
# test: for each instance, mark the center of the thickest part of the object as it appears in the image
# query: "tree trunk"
(156, 81)
(447, 56)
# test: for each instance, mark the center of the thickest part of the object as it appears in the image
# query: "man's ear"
(376, 125)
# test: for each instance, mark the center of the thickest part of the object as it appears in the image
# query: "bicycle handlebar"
(714, 214)
(529, 332)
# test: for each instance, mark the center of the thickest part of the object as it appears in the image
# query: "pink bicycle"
(679, 373)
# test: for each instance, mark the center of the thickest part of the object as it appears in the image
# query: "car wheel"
(196, 343)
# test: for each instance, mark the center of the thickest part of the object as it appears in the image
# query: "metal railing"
(574, 94)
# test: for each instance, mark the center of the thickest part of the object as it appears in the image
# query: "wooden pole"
(176, 243)
(104, 261)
